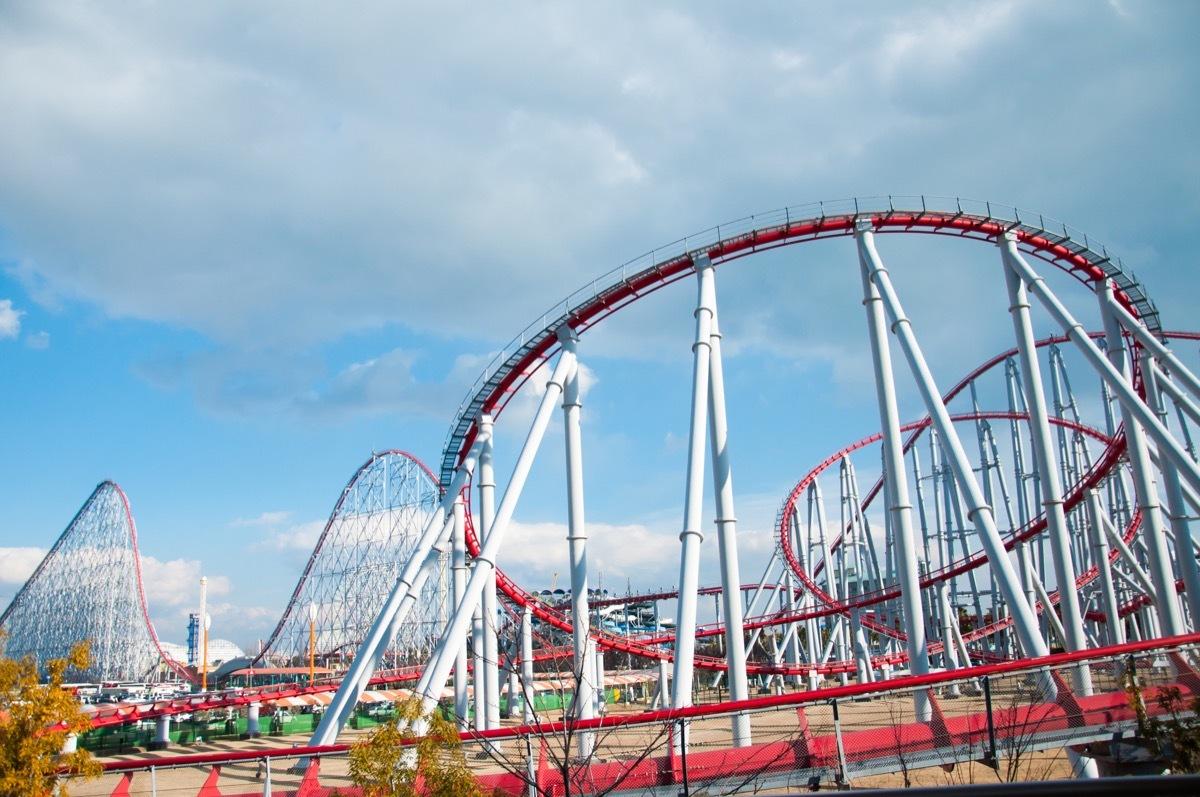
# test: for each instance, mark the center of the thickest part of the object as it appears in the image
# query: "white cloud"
(242, 624)
(173, 593)
(646, 553)
(301, 538)
(167, 142)
(533, 552)
(38, 341)
(10, 319)
(942, 39)
(18, 564)
(176, 583)
(639, 84)
(265, 519)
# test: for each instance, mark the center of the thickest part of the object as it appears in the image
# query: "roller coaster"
(1042, 505)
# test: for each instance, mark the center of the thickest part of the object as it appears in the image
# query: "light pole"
(204, 655)
(312, 640)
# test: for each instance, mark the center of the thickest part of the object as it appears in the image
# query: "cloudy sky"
(244, 246)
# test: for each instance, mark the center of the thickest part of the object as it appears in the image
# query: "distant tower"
(203, 599)
(193, 638)
(204, 632)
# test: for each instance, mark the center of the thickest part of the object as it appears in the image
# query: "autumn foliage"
(36, 718)
(393, 761)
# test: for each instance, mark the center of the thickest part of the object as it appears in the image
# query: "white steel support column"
(1112, 375)
(1114, 627)
(162, 731)
(792, 637)
(1183, 404)
(664, 683)
(1166, 600)
(399, 602)
(803, 547)
(948, 618)
(490, 677)
(1047, 465)
(752, 603)
(1024, 619)
(478, 690)
(527, 691)
(837, 631)
(1177, 514)
(1056, 626)
(577, 542)
(862, 650)
(514, 689)
(433, 679)
(895, 475)
(252, 715)
(1137, 576)
(601, 698)
(458, 564)
(731, 580)
(1154, 346)
(692, 536)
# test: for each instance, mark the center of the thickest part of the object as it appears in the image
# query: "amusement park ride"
(1042, 504)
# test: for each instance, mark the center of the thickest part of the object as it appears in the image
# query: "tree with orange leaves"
(36, 719)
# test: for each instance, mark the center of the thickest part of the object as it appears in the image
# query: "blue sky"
(243, 247)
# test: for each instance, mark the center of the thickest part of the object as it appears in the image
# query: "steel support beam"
(577, 543)
(1112, 375)
(1133, 414)
(895, 475)
(1177, 514)
(1114, 628)
(458, 564)
(1050, 487)
(1025, 621)
(731, 581)
(433, 679)
(490, 676)
(691, 537)
(527, 691)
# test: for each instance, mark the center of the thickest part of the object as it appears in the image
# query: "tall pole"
(816, 513)
(978, 511)
(895, 476)
(479, 690)
(1047, 464)
(691, 536)
(527, 665)
(1114, 626)
(1114, 376)
(1177, 514)
(204, 678)
(458, 564)
(1166, 600)
(731, 580)
(204, 623)
(491, 644)
(584, 665)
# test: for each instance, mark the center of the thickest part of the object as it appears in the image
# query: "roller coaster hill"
(976, 586)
